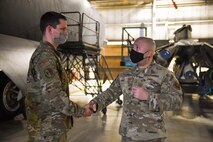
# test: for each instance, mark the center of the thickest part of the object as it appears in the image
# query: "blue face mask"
(61, 39)
(136, 56)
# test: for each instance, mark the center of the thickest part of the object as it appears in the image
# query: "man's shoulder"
(160, 68)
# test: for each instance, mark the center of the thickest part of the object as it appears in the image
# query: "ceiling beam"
(124, 4)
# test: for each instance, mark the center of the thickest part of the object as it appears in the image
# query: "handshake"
(90, 108)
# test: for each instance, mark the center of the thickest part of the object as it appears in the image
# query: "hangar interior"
(161, 19)
(97, 51)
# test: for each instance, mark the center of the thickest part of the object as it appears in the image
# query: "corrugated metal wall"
(168, 19)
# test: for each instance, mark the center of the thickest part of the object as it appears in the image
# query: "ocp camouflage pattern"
(143, 120)
(48, 108)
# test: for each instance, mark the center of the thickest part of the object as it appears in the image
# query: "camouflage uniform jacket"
(48, 108)
(143, 120)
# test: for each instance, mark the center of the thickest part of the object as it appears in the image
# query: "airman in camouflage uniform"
(148, 90)
(48, 108)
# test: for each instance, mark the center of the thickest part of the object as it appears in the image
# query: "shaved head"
(145, 42)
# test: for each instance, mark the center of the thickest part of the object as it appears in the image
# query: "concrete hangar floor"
(194, 123)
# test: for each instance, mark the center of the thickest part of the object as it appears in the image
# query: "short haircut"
(150, 41)
(50, 18)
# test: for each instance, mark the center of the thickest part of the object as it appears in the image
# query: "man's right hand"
(93, 106)
(140, 93)
(88, 111)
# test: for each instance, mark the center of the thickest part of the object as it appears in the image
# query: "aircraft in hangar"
(20, 35)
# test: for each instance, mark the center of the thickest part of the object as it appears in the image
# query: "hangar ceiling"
(118, 3)
(113, 4)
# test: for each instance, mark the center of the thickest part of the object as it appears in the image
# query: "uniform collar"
(47, 44)
(137, 70)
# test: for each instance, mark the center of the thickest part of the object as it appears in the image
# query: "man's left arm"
(170, 96)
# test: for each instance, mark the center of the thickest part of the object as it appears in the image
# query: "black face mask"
(136, 56)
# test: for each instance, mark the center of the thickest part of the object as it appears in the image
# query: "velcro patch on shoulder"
(48, 73)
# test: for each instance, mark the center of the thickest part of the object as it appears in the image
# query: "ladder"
(81, 55)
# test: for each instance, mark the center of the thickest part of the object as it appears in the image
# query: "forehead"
(138, 42)
(141, 44)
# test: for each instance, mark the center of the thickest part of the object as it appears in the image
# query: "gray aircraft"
(193, 61)
(20, 35)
